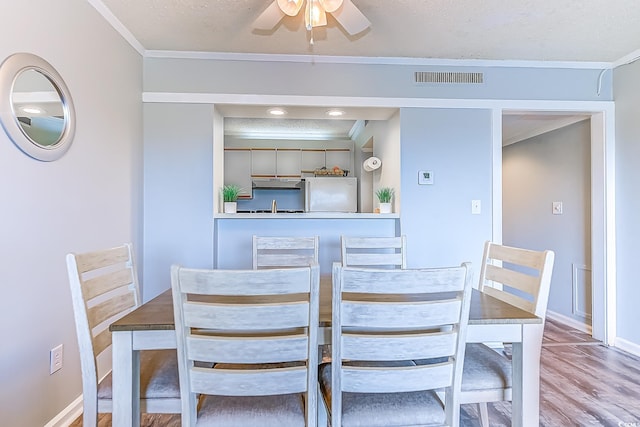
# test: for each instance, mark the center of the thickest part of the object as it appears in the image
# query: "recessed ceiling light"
(32, 110)
(277, 111)
(335, 113)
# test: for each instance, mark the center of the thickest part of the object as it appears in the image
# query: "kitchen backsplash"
(286, 200)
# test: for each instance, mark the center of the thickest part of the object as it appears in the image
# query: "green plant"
(385, 194)
(230, 192)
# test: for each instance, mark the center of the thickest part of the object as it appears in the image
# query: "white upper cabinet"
(242, 164)
(237, 169)
(263, 162)
(275, 163)
(288, 163)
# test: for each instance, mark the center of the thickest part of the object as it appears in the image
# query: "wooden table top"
(157, 314)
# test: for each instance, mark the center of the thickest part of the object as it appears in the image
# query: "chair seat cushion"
(158, 376)
(265, 411)
(384, 409)
(485, 368)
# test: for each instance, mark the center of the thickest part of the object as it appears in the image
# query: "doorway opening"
(551, 195)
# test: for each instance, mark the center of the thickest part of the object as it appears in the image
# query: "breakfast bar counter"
(306, 215)
(233, 233)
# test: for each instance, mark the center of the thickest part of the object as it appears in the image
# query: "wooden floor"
(583, 383)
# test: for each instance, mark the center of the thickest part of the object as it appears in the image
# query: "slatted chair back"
(520, 277)
(104, 288)
(375, 252)
(280, 252)
(258, 328)
(384, 319)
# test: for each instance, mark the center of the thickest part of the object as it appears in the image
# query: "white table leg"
(526, 377)
(126, 380)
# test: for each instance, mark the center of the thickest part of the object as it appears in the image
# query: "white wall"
(369, 80)
(456, 145)
(552, 167)
(386, 146)
(89, 199)
(383, 137)
(178, 196)
(627, 96)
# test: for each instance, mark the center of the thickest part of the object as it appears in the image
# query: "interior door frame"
(603, 253)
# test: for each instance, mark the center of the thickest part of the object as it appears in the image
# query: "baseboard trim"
(67, 415)
(628, 346)
(569, 321)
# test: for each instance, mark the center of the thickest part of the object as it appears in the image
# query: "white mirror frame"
(10, 69)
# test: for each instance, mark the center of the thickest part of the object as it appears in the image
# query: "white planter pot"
(230, 207)
(385, 208)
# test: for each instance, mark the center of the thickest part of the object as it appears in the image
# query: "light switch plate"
(476, 207)
(425, 177)
(557, 208)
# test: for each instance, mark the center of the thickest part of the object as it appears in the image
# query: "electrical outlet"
(55, 359)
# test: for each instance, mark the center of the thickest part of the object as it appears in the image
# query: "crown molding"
(627, 59)
(326, 59)
(118, 25)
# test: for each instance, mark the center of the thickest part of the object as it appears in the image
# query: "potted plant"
(230, 193)
(385, 194)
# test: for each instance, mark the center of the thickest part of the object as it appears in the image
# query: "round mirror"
(35, 107)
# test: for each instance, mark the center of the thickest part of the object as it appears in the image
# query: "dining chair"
(381, 321)
(520, 277)
(280, 252)
(376, 252)
(104, 288)
(259, 330)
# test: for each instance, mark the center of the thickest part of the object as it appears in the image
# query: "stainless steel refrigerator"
(331, 194)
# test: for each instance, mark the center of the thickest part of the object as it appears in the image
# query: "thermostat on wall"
(425, 177)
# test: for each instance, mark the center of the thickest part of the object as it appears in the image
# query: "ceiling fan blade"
(290, 7)
(331, 5)
(269, 18)
(351, 19)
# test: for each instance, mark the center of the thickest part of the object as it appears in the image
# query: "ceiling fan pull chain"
(310, 24)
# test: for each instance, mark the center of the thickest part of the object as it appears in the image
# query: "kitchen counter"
(307, 215)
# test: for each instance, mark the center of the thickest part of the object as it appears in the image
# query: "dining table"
(151, 326)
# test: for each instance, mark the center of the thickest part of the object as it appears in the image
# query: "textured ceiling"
(540, 30)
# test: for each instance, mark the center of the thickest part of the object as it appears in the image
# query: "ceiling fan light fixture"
(344, 12)
(314, 14)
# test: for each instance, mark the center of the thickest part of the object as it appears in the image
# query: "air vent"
(445, 77)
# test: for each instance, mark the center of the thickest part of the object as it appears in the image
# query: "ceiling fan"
(344, 11)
